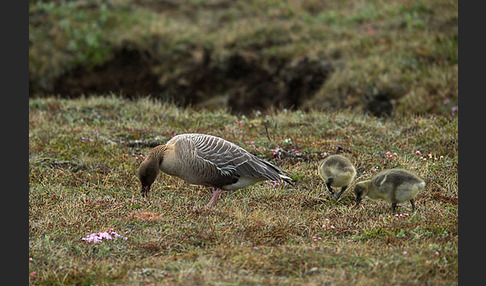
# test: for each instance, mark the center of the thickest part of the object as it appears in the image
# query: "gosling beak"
(338, 195)
(358, 200)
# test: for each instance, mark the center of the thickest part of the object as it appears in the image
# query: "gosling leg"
(328, 184)
(412, 202)
(394, 207)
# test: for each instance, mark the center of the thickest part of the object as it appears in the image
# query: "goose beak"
(145, 190)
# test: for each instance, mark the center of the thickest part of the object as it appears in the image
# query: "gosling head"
(360, 191)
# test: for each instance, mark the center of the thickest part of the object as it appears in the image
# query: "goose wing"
(199, 169)
(228, 156)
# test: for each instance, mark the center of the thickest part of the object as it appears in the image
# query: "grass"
(83, 160)
(406, 49)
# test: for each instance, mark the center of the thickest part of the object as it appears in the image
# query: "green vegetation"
(83, 160)
(406, 50)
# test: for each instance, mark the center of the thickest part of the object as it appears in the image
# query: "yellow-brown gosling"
(393, 185)
(207, 160)
(337, 171)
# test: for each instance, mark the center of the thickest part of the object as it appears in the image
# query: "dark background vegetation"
(382, 57)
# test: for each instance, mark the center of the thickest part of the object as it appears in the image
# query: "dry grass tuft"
(145, 216)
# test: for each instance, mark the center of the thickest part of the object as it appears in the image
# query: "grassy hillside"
(83, 159)
(401, 55)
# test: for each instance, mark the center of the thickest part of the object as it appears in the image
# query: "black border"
(14, 74)
(471, 146)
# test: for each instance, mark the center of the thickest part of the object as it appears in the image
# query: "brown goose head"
(149, 169)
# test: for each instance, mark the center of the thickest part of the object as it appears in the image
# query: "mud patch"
(245, 82)
(128, 73)
(242, 82)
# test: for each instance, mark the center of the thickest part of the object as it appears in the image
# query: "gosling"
(393, 185)
(338, 172)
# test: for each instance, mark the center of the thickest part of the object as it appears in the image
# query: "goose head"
(147, 173)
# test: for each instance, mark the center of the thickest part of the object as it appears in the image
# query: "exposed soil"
(243, 82)
(128, 73)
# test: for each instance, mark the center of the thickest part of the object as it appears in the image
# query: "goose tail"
(285, 178)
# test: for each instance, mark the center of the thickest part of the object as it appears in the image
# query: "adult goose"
(207, 160)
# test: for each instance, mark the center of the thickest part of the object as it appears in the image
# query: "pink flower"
(417, 152)
(369, 31)
(98, 237)
(454, 110)
(32, 274)
(239, 123)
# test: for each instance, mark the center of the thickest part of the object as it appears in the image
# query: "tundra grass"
(408, 49)
(83, 160)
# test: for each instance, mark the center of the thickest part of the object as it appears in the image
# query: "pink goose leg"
(214, 199)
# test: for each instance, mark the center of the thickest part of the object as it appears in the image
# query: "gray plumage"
(337, 171)
(210, 161)
(393, 185)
